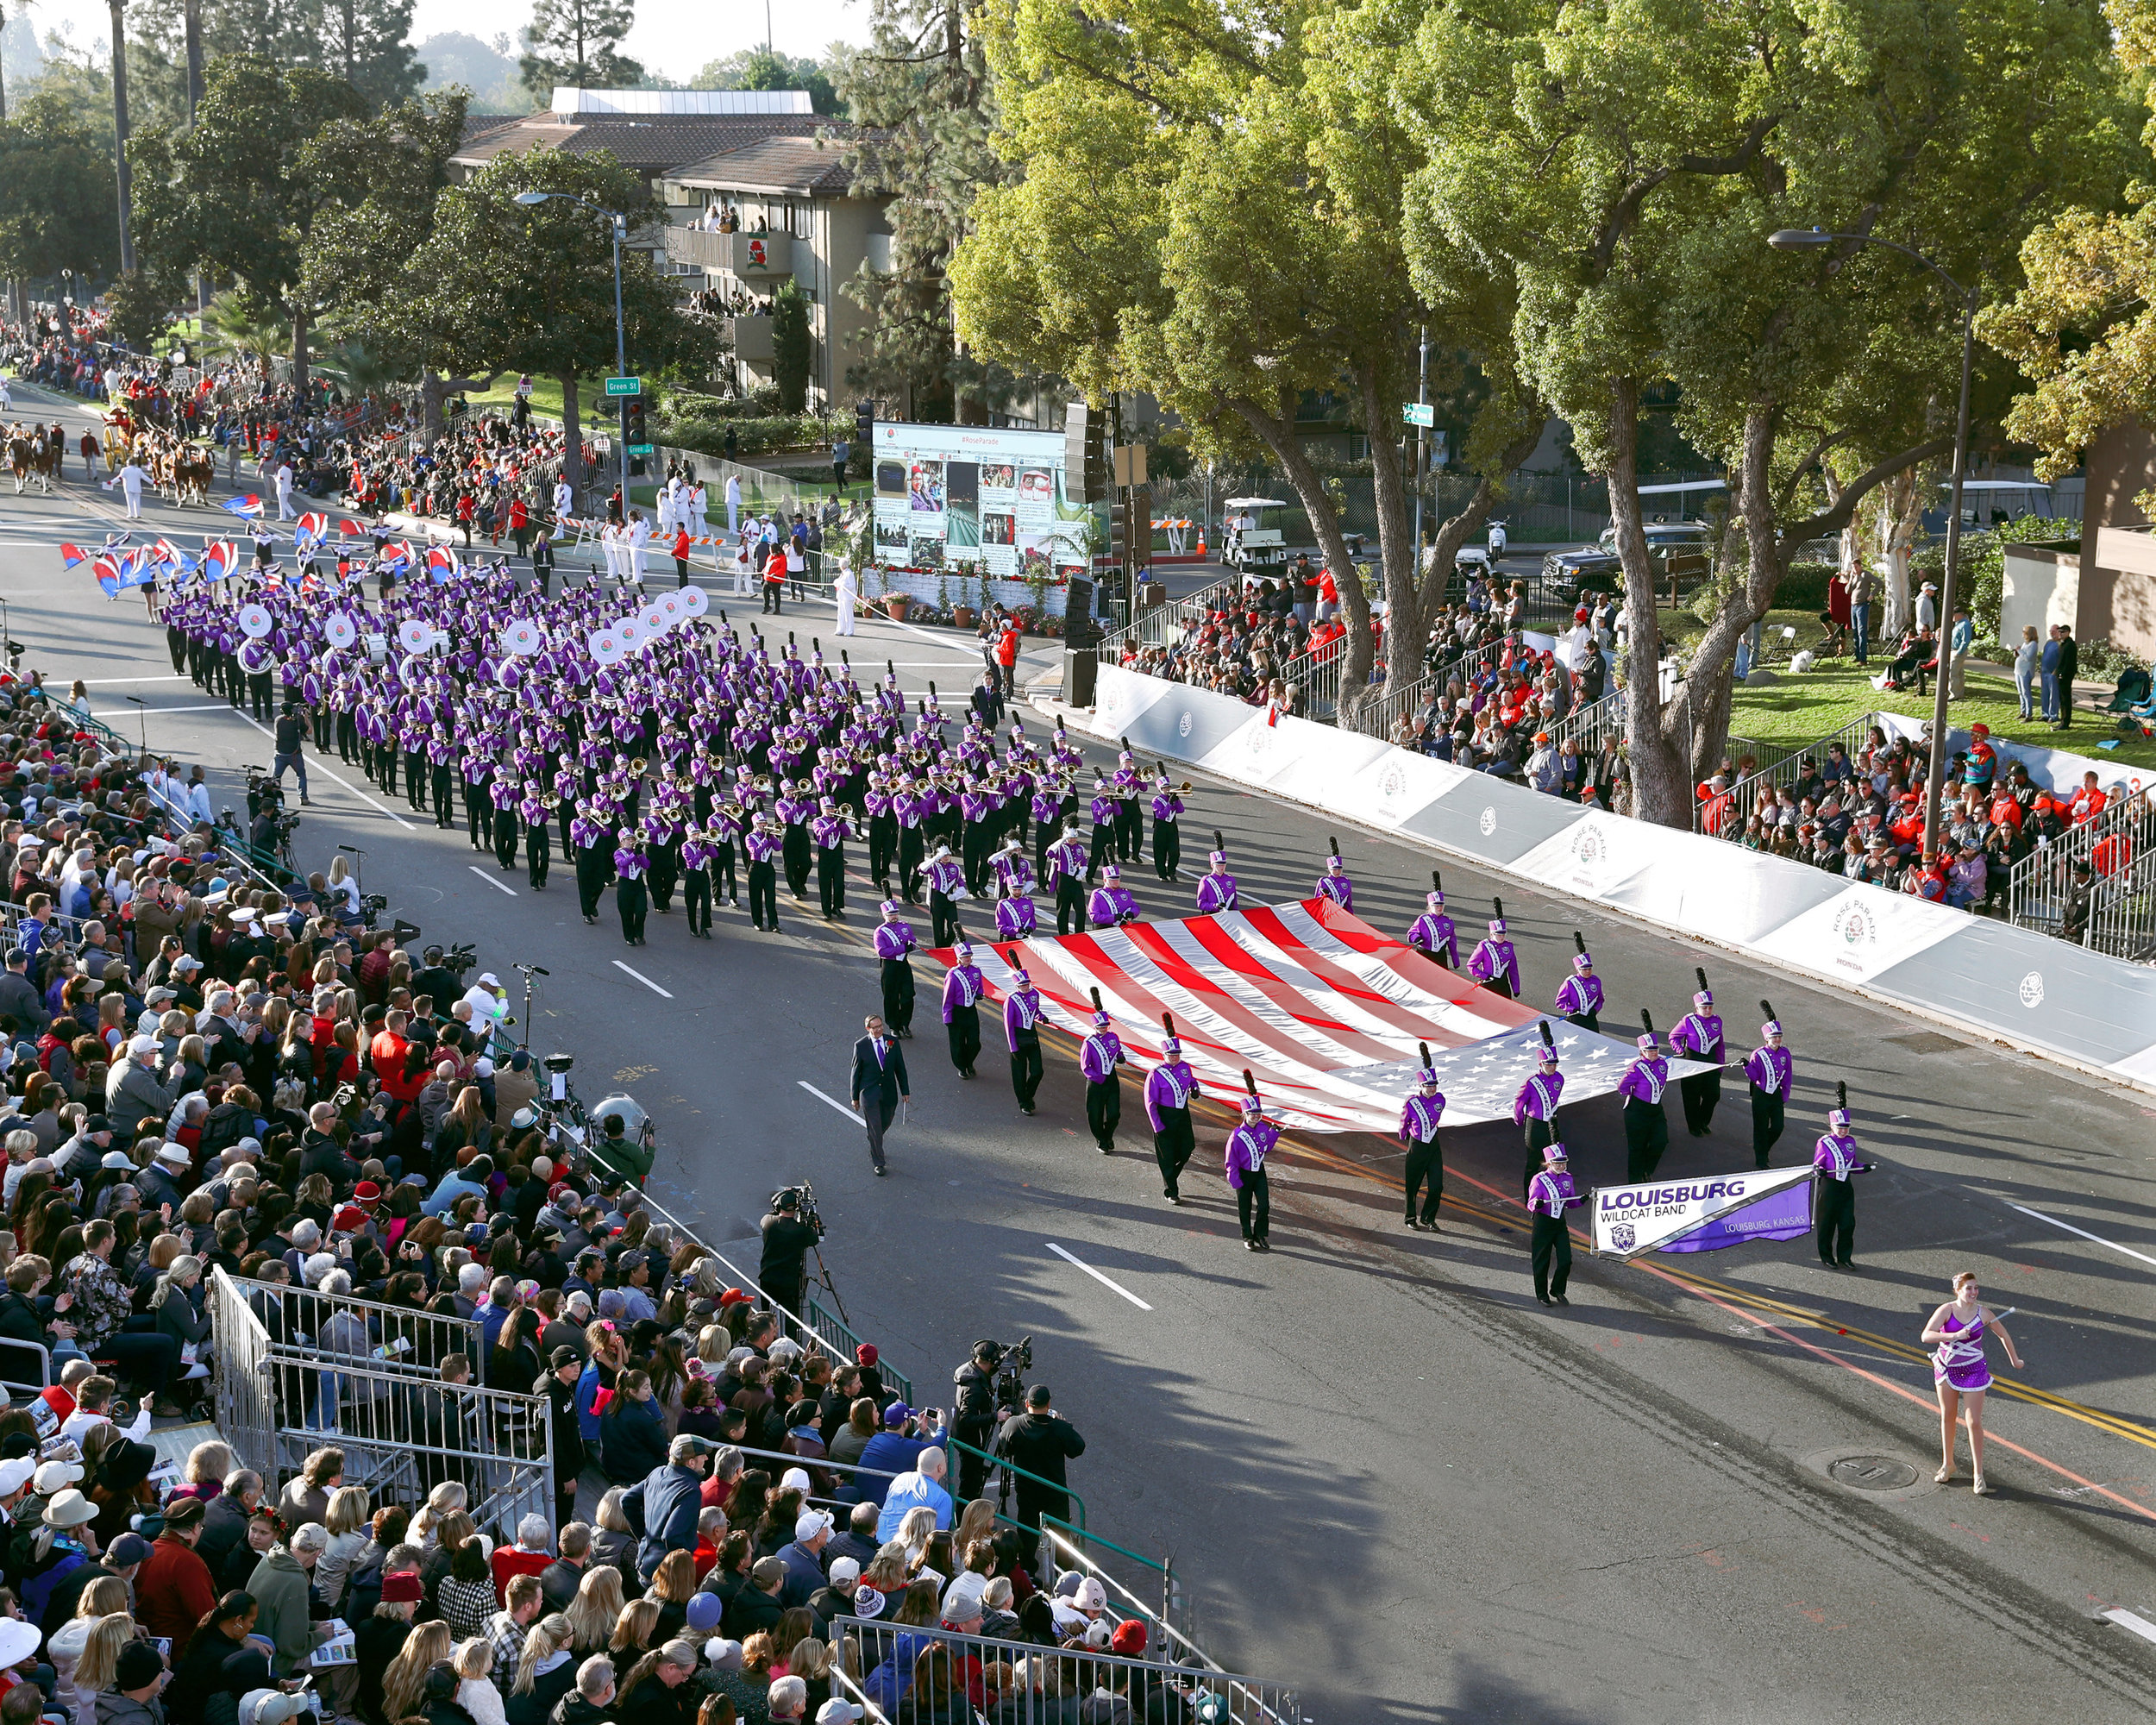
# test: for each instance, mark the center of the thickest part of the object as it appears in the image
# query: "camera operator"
(443, 986)
(290, 730)
(1040, 1440)
(787, 1240)
(974, 1415)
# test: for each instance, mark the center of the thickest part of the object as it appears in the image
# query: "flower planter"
(897, 605)
(963, 616)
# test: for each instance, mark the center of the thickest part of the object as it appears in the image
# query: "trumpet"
(762, 782)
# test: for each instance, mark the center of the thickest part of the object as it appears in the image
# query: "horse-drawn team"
(178, 468)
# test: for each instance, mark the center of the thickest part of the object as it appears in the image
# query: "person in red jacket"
(172, 1590)
(681, 542)
(1007, 657)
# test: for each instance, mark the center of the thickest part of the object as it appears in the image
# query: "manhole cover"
(1873, 1473)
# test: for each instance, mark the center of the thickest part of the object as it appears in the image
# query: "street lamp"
(1812, 238)
(531, 200)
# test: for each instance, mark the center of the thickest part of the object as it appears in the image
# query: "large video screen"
(990, 501)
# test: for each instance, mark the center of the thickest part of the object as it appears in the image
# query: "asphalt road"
(1383, 1473)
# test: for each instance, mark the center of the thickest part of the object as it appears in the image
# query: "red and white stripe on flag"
(1323, 1009)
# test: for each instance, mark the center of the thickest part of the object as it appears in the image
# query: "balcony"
(751, 337)
(692, 246)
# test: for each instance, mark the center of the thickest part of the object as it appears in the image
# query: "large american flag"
(1323, 1009)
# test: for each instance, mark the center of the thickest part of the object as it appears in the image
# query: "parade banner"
(1702, 1214)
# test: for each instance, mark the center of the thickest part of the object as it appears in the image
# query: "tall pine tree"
(578, 43)
(921, 95)
(363, 41)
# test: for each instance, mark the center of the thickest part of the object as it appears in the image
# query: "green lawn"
(546, 396)
(1795, 710)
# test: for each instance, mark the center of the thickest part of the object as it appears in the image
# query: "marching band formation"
(667, 756)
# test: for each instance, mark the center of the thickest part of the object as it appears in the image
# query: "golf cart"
(1255, 543)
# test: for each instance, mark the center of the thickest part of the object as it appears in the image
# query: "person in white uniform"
(639, 536)
(733, 503)
(845, 591)
(129, 478)
(284, 490)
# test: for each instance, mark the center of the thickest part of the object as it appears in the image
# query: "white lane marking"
(833, 1101)
(498, 886)
(1116, 1286)
(332, 777)
(2083, 1232)
(2131, 1619)
(163, 677)
(643, 979)
(116, 719)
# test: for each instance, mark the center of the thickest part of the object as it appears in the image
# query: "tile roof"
(653, 145)
(774, 165)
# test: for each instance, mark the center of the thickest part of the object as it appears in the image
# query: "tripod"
(530, 993)
(823, 1279)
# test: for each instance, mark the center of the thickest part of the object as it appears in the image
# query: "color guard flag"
(247, 507)
(311, 526)
(71, 556)
(349, 529)
(442, 563)
(219, 559)
(399, 555)
(116, 575)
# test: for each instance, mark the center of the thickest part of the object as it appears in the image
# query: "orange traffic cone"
(1201, 542)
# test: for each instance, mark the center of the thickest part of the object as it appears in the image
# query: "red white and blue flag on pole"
(220, 557)
(311, 526)
(399, 555)
(117, 573)
(247, 507)
(349, 529)
(72, 556)
(442, 564)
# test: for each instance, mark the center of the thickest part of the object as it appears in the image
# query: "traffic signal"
(865, 423)
(638, 435)
(1085, 455)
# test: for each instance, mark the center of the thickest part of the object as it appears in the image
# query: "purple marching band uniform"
(1699, 1037)
(1022, 1030)
(1433, 935)
(1771, 1069)
(1249, 1144)
(1646, 1126)
(1169, 1088)
(1535, 1110)
(894, 948)
(1579, 996)
(1067, 870)
(631, 898)
(1168, 844)
(1216, 887)
(946, 881)
(1334, 884)
(1493, 964)
(1834, 1211)
(764, 850)
(1550, 1195)
(962, 988)
(828, 832)
(1419, 1118)
(1098, 1057)
(1113, 903)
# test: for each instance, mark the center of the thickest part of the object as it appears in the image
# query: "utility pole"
(120, 130)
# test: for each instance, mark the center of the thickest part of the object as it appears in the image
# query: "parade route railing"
(881, 1659)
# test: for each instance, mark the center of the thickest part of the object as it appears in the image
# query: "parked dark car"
(1594, 568)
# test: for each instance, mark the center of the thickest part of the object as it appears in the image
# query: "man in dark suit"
(880, 1084)
(2069, 668)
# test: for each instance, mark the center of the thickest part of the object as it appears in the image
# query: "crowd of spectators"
(1863, 818)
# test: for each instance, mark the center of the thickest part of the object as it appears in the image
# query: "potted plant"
(962, 614)
(898, 604)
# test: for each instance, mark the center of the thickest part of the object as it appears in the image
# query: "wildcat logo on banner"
(1704, 1214)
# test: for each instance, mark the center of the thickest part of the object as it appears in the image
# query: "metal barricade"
(2114, 844)
(342, 1327)
(1591, 724)
(1164, 625)
(1781, 771)
(1381, 713)
(2123, 914)
(403, 1431)
(882, 1662)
